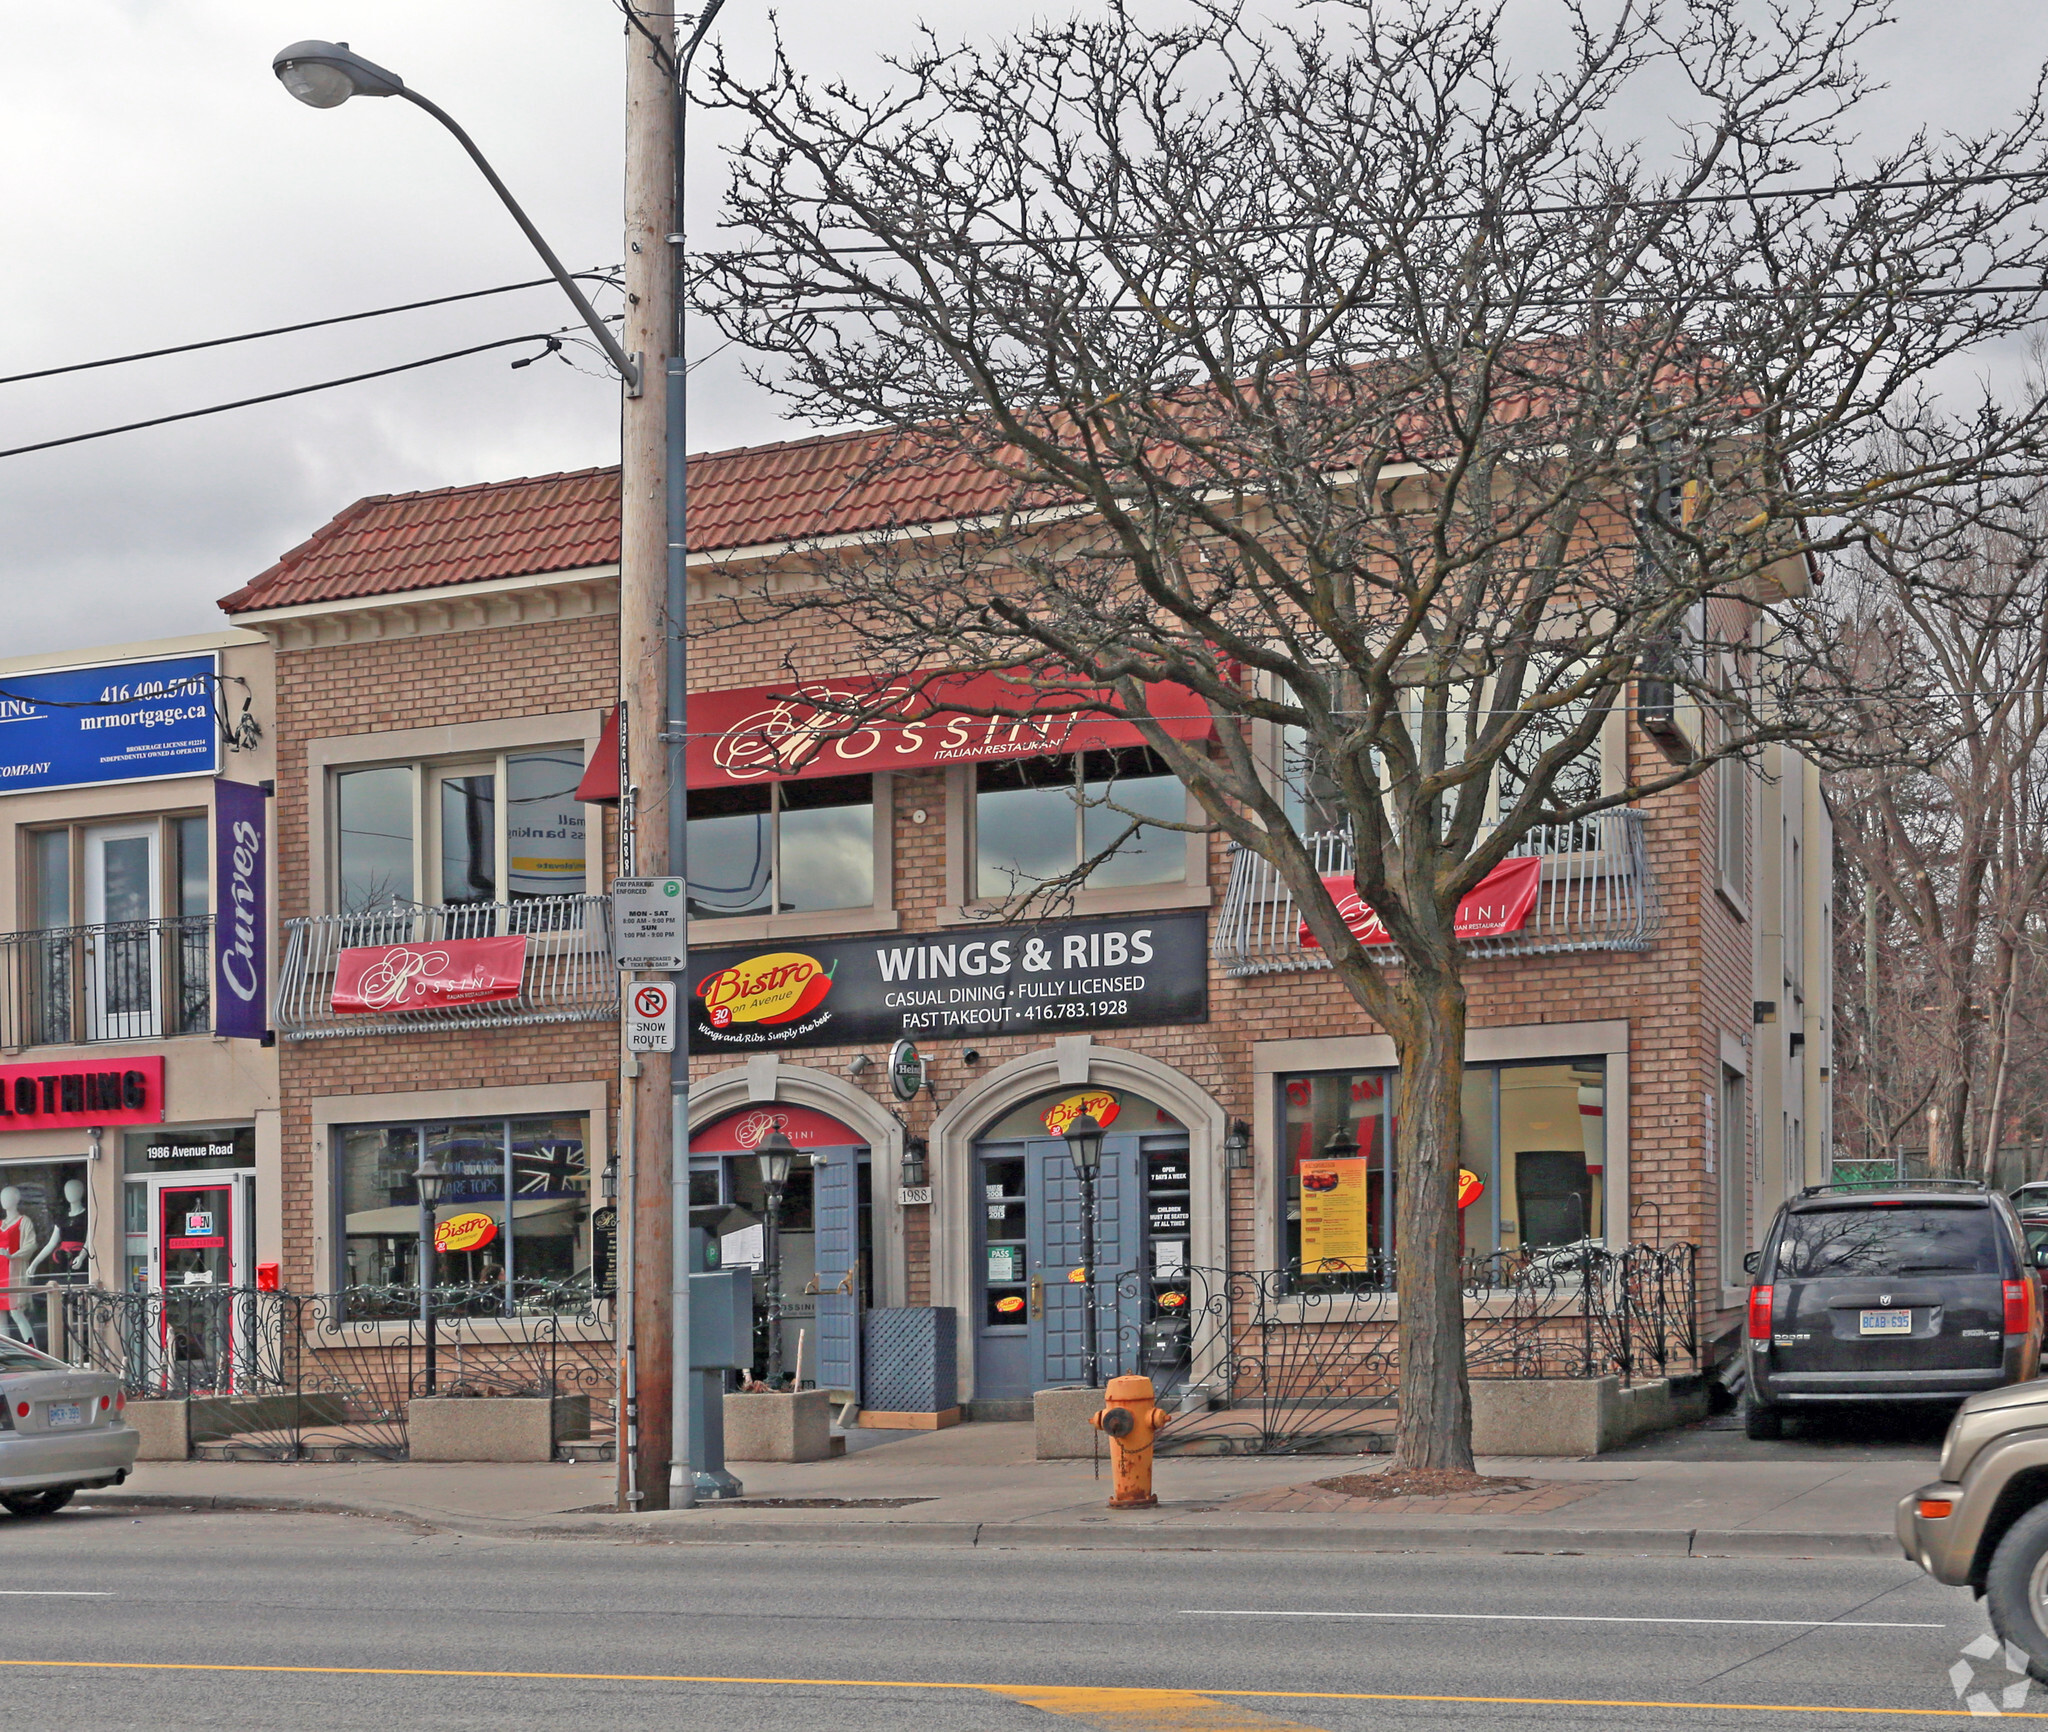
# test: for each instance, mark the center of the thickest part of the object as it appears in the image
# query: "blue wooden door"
(835, 1216)
(1059, 1331)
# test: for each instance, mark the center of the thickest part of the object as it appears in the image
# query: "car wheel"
(38, 1503)
(2016, 1589)
(1760, 1423)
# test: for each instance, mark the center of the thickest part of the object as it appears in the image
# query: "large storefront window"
(542, 1243)
(1534, 1175)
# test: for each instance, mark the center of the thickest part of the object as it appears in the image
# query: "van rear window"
(1867, 1241)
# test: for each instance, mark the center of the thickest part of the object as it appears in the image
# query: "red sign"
(450, 971)
(740, 1133)
(1501, 903)
(127, 1091)
(777, 733)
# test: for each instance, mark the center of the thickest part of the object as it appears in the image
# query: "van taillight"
(1760, 1313)
(2019, 1307)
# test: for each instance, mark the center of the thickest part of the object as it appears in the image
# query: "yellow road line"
(1125, 1710)
(999, 1689)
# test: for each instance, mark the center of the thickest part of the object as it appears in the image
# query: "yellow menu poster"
(1334, 1233)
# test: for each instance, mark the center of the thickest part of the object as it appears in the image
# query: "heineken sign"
(1053, 977)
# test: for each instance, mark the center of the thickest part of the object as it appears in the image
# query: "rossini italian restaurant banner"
(1055, 977)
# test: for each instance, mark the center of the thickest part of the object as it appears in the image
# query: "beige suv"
(1984, 1523)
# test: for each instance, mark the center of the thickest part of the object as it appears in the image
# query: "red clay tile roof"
(395, 542)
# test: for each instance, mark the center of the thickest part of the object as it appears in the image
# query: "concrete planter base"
(169, 1429)
(492, 1427)
(165, 1428)
(1061, 1419)
(767, 1427)
(1573, 1415)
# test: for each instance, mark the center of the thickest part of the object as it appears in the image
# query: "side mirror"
(2041, 1256)
(1753, 1260)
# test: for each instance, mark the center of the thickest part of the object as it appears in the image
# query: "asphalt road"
(249, 1621)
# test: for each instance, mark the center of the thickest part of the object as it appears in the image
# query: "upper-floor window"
(506, 828)
(115, 873)
(797, 847)
(1038, 820)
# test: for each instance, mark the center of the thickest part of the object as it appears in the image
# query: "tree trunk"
(1435, 1426)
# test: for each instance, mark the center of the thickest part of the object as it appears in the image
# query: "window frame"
(880, 915)
(963, 906)
(170, 824)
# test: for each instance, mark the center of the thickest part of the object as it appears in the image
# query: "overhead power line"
(594, 276)
(295, 391)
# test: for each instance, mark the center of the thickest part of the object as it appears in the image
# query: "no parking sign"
(650, 1017)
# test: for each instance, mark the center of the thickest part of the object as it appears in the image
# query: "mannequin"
(66, 1250)
(15, 1229)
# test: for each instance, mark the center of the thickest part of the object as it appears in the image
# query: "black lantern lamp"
(916, 1175)
(1342, 1144)
(1237, 1146)
(1084, 1148)
(777, 1154)
(430, 1179)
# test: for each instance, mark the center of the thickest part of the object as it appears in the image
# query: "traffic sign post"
(648, 924)
(650, 1017)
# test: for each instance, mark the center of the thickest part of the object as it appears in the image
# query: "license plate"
(65, 1413)
(1885, 1323)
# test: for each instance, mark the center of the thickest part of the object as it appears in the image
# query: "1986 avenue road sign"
(647, 923)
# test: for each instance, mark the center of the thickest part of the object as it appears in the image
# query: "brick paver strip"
(1308, 1500)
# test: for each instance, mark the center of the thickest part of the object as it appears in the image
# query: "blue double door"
(1031, 1308)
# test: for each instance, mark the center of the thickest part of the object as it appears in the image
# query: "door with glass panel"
(123, 883)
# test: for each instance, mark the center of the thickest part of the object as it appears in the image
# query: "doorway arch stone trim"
(1074, 1061)
(768, 1079)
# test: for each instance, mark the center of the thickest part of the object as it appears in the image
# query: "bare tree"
(1396, 403)
(1943, 854)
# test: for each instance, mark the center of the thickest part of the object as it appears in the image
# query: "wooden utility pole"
(643, 574)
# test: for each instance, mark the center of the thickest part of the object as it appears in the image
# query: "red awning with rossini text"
(1499, 904)
(785, 733)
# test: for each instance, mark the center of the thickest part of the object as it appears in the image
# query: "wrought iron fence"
(569, 974)
(1596, 895)
(1275, 1360)
(287, 1375)
(120, 980)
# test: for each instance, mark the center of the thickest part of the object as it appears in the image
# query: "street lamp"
(327, 74)
(776, 1153)
(1084, 1148)
(430, 1179)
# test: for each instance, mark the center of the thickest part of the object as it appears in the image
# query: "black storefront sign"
(1053, 977)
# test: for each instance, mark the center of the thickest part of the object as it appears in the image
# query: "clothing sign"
(241, 859)
(789, 732)
(120, 722)
(1500, 903)
(1052, 978)
(1334, 1232)
(36, 1097)
(448, 971)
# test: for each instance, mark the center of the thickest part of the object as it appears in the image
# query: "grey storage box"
(912, 1368)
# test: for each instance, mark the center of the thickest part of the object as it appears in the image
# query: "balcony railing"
(569, 975)
(122, 980)
(1596, 895)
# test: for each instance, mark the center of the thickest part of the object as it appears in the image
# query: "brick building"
(1649, 1046)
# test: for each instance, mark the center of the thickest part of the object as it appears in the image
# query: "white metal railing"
(569, 974)
(1596, 895)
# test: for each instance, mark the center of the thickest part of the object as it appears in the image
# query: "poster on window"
(1335, 1233)
(544, 824)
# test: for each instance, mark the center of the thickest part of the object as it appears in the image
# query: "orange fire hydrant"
(1131, 1422)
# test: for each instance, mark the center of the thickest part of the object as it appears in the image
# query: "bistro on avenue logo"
(780, 987)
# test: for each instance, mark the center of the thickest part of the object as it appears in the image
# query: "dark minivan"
(1922, 1291)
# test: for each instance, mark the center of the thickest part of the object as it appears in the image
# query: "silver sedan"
(61, 1429)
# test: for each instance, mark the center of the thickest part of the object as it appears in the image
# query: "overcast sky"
(157, 186)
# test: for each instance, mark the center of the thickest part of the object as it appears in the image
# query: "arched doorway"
(1029, 1321)
(817, 1269)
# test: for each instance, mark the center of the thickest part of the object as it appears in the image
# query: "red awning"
(770, 733)
(1499, 904)
(600, 783)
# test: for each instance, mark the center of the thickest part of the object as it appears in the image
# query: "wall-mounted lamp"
(859, 1065)
(1237, 1146)
(914, 1173)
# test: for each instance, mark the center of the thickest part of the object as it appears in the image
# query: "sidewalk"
(978, 1485)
